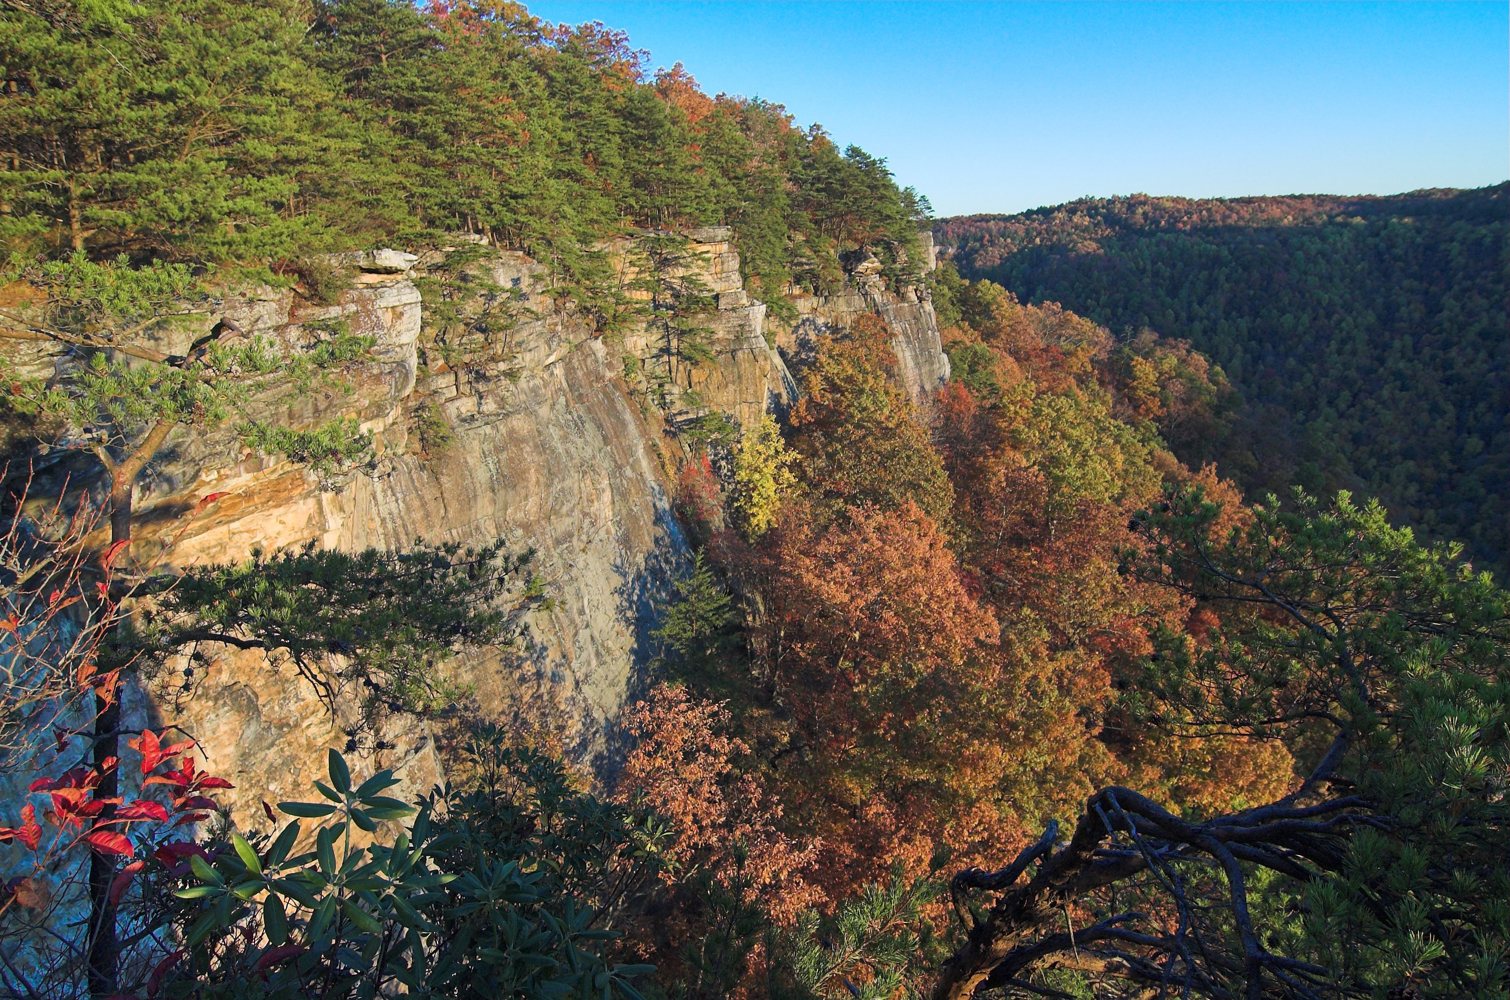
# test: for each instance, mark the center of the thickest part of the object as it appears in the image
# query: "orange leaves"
(29, 893)
(29, 833)
(878, 650)
(149, 745)
(687, 769)
(876, 588)
(109, 842)
(113, 553)
(677, 88)
(1214, 774)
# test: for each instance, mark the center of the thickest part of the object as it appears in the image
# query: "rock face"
(922, 364)
(521, 426)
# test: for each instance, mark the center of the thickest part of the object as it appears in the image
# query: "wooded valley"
(1020, 626)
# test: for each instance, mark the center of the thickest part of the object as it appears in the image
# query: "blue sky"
(999, 107)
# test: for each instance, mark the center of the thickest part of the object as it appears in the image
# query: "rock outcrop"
(922, 364)
(518, 425)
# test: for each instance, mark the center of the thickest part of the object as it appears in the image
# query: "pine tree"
(181, 130)
(696, 628)
(119, 401)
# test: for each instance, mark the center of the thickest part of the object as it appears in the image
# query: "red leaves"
(29, 832)
(186, 785)
(208, 499)
(143, 809)
(697, 495)
(109, 842)
(160, 971)
(173, 856)
(72, 795)
(113, 553)
(188, 778)
(76, 777)
(195, 802)
(74, 803)
(149, 745)
(122, 881)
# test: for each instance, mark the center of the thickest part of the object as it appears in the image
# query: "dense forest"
(1368, 337)
(263, 135)
(988, 694)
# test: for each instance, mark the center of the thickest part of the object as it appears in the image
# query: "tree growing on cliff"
(676, 306)
(763, 477)
(858, 435)
(118, 400)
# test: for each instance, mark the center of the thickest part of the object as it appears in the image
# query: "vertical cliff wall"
(922, 364)
(517, 423)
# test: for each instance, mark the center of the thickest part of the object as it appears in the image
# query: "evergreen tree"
(1384, 665)
(120, 401)
(696, 628)
(181, 130)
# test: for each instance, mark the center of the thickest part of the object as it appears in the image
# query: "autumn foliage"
(688, 770)
(944, 647)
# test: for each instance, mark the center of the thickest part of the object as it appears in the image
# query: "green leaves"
(246, 854)
(326, 448)
(391, 616)
(340, 774)
(1334, 622)
(307, 810)
(488, 892)
(873, 937)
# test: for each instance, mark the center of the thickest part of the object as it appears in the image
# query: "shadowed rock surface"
(546, 445)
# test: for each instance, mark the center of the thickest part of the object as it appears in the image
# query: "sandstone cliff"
(514, 422)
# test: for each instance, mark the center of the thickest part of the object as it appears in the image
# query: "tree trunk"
(75, 216)
(104, 939)
(104, 946)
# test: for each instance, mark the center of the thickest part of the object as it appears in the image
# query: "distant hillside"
(1368, 335)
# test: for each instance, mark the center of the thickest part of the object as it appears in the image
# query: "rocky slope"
(533, 435)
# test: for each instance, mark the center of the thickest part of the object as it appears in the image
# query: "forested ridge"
(1367, 336)
(219, 132)
(1001, 692)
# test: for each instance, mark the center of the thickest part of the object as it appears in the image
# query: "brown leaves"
(32, 893)
(871, 592)
(688, 769)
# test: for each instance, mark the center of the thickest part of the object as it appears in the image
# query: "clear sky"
(999, 107)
